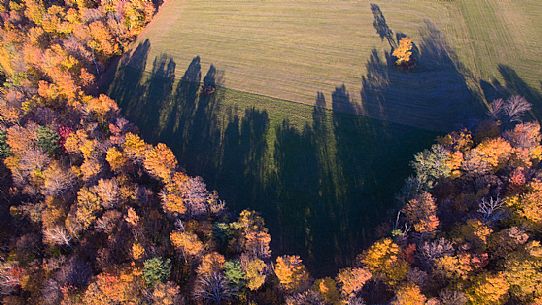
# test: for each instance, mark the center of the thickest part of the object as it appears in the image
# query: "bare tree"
(213, 289)
(516, 106)
(496, 108)
(488, 208)
(57, 236)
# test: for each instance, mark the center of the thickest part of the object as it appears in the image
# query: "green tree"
(156, 270)
(234, 273)
(47, 140)
(4, 148)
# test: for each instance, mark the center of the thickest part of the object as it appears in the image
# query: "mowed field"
(293, 49)
(312, 125)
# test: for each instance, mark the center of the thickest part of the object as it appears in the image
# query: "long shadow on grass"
(434, 94)
(513, 85)
(322, 185)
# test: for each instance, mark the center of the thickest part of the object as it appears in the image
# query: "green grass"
(323, 177)
(291, 49)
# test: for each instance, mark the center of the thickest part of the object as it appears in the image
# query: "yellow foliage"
(173, 203)
(524, 275)
(488, 289)
(404, 52)
(455, 267)
(115, 158)
(90, 168)
(87, 147)
(254, 271)
(384, 261)
(188, 243)
(291, 272)
(454, 163)
(137, 251)
(327, 287)
(88, 203)
(476, 233)
(529, 210)
(132, 218)
(101, 106)
(160, 162)
(409, 295)
(488, 156)
(134, 147)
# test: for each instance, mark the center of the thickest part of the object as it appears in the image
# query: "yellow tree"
(135, 147)
(409, 295)
(254, 269)
(384, 261)
(116, 159)
(188, 243)
(160, 162)
(327, 287)
(291, 272)
(88, 204)
(404, 53)
(488, 289)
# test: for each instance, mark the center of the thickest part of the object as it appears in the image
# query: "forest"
(91, 213)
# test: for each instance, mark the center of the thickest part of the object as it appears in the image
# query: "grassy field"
(293, 49)
(311, 124)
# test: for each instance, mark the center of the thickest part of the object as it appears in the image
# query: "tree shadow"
(433, 95)
(322, 187)
(513, 85)
(381, 26)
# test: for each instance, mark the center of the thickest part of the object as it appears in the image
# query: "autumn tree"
(189, 244)
(409, 295)
(291, 272)
(384, 261)
(404, 54)
(352, 280)
(255, 271)
(327, 288)
(421, 212)
(488, 289)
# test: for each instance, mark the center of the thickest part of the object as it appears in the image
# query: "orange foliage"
(211, 262)
(188, 243)
(489, 156)
(422, 213)
(409, 295)
(160, 162)
(352, 280)
(403, 53)
(291, 272)
(384, 261)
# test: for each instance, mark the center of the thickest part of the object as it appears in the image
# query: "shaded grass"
(323, 180)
